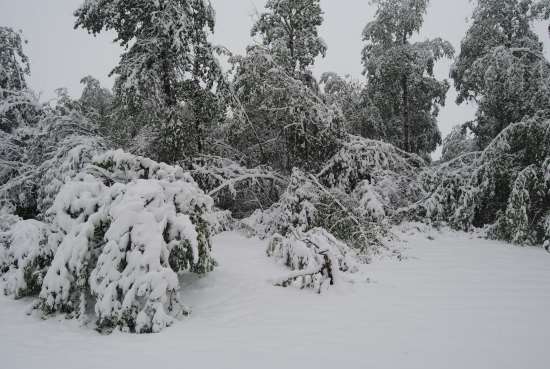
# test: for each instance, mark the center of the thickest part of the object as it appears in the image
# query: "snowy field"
(454, 302)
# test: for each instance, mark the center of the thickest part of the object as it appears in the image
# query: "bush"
(316, 258)
(118, 235)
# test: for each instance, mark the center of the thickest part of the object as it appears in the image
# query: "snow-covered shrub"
(54, 150)
(24, 257)
(505, 187)
(307, 204)
(390, 172)
(235, 187)
(315, 257)
(127, 228)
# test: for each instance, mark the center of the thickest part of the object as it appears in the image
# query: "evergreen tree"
(501, 66)
(168, 62)
(402, 89)
(290, 28)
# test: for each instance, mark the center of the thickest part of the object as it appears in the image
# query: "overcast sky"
(60, 56)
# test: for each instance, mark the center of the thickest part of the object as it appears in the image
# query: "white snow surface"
(456, 301)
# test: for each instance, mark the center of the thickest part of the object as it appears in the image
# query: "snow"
(455, 301)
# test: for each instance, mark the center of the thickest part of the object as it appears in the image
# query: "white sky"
(60, 56)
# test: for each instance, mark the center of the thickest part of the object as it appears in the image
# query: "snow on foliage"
(505, 187)
(24, 257)
(307, 204)
(117, 236)
(378, 170)
(234, 187)
(38, 160)
(316, 258)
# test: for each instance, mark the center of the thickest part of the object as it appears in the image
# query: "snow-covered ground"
(454, 302)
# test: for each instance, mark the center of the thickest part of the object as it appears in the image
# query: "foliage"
(17, 103)
(505, 187)
(236, 188)
(501, 67)
(168, 61)
(279, 121)
(36, 161)
(362, 163)
(402, 90)
(315, 257)
(118, 235)
(458, 142)
(307, 204)
(290, 29)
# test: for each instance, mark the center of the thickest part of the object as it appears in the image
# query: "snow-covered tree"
(348, 95)
(501, 67)
(97, 104)
(378, 170)
(402, 89)
(290, 28)
(279, 121)
(168, 62)
(17, 102)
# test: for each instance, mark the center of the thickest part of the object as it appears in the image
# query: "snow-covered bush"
(25, 255)
(119, 232)
(125, 230)
(307, 204)
(38, 160)
(315, 257)
(505, 187)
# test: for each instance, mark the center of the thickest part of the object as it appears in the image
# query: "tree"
(501, 66)
(402, 89)
(16, 101)
(168, 62)
(279, 120)
(290, 29)
(97, 103)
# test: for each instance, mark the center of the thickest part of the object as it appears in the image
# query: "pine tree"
(501, 66)
(402, 88)
(168, 62)
(290, 28)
